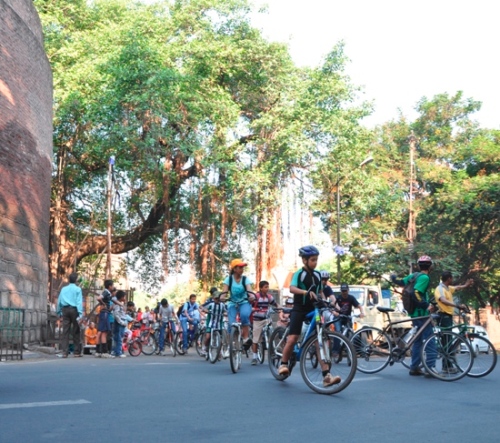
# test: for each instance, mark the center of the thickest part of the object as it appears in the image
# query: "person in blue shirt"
(70, 309)
(189, 315)
(237, 285)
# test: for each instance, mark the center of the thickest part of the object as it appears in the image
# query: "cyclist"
(167, 317)
(215, 318)
(306, 289)
(423, 308)
(260, 307)
(327, 290)
(189, 315)
(237, 285)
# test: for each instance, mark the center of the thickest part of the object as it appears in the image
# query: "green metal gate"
(11, 333)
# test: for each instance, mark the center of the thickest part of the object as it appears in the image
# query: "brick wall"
(25, 163)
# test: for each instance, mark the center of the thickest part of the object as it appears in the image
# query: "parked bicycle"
(376, 348)
(315, 342)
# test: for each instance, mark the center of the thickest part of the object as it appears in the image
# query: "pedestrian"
(443, 295)
(91, 335)
(423, 308)
(103, 323)
(70, 309)
(120, 323)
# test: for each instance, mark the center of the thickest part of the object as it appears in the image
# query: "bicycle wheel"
(345, 369)
(215, 346)
(149, 344)
(451, 351)
(199, 343)
(170, 343)
(277, 342)
(178, 343)
(135, 348)
(485, 356)
(261, 349)
(373, 349)
(235, 350)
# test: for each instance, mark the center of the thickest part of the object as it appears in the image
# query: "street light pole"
(339, 247)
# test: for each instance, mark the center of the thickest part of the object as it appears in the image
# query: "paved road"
(185, 399)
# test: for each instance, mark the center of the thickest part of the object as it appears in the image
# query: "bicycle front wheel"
(313, 373)
(277, 343)
(179, 343)
(372, 348)
(149, 345)
(215, 346)
(135, 348)
(171, 343)
(451, 351)
(235, 350)
(485, 356)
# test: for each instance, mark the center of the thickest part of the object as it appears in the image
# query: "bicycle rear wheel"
(277, 343)
(345, 368)
(148, 343)
(485, 356)
(215, 346)
(451, 351)
(235, 350)
(135, 348)
(372, 348)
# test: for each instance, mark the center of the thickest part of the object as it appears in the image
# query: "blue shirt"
(238, 291)
(70, 295)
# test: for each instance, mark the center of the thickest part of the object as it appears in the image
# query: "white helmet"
(325, 274)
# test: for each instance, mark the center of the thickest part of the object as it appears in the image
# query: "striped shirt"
(215, 315)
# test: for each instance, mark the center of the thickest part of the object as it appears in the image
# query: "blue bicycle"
(315, 344)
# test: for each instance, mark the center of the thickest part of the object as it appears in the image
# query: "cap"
(344, 287)
(237, 262)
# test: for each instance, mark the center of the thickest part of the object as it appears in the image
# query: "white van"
(370, 296)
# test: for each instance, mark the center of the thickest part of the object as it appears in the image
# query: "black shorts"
(296, 320)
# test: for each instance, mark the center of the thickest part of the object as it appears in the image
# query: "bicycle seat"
(382, 309)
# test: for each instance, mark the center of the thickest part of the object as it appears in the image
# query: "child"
(215, 319)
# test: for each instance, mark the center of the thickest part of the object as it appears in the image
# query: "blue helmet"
(308, 251)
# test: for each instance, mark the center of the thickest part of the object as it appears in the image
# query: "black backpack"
(409, 298)
(179, 311)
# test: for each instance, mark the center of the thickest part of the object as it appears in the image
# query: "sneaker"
(96, 355)
(77, 355)
(416, 372)
(225, 354)
(329, 380)
(185, 351)
(254, 361)
(203, 353)
(283, 370)
(450, 371)
(122, 355)
(107, 356)
(163, 353)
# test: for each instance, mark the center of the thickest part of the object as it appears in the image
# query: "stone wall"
(25, 163)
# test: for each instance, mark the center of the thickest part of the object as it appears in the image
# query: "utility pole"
(411, 231)
(109, 230)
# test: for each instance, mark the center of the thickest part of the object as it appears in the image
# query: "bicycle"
(147, 340)
(195, 339)
(483, 352)
(347, 330)
(169, 340)
(218, 344)
(376, 348)
(132, 345)
(267, 330)
(315, 344)
(236, 346)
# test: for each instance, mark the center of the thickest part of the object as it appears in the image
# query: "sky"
(399, 50)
